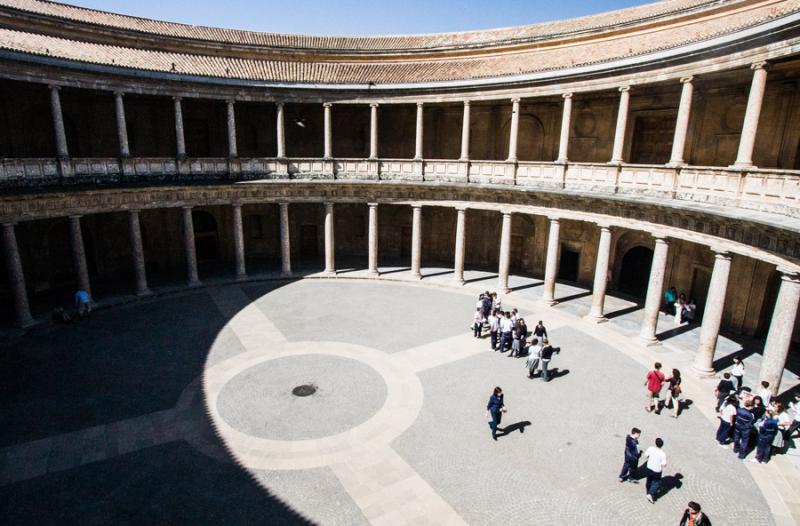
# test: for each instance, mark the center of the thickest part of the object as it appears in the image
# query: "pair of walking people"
(539, 356)
(654, 468)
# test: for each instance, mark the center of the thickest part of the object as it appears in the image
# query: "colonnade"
(743, 159)
(775, 351)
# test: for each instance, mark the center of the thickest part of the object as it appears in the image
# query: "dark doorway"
(768, 305)
(308, 241)
(205, 235)
(699, 291)
(635, 271)
(568, 264)
(405, 243)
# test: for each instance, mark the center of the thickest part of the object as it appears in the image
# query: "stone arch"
(621, 275)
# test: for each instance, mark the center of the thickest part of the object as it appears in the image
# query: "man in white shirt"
(656, 462)
(494, 326)
(765, 393)
(506, 326)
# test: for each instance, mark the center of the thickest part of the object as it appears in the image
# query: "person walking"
(693, 516)
(477, 323)
(726, 420)
(534, 356)
(540, 331)
(494, 326)
(656, 462)
(494, 411)
(520, 332)
(632, 454)
(674, 393)
(547, 355)
(742, 425)
(737, 372)
(654, 380)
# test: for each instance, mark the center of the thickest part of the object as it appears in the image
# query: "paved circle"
(260, 401)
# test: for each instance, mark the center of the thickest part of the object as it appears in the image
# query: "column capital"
(603, 225)
(283, 204)
(327, 104)
(54, 87)
(687, 80)
(467, 103)
(461, 208)
(230, 102)
(134, 210)
(721, 253)
(119, 93)
(187, 207)
(328, 205)
(507, 212)
(788, 274)
(279, 103)
(9, 224)
(566, 95)
(416, 205)
(515, 100)
(420, 104)
(75, 217)
(373, 205)
(554, 218)
(373, 104)
(624, 89)
(236, 204)
(177, 98)
(760, 65)
(660, 237)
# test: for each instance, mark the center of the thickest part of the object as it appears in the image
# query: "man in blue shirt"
(83, 303)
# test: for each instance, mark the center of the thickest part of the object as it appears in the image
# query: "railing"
(756, 189)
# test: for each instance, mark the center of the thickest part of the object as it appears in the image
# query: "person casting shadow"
(513, 427)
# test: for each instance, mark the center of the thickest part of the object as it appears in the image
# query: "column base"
(649, 341)
(675, 164)
(193, 284)
(741, 166)
(329, 273)
(547, 301)
(594, 318)
(144, 292)
(459, 281)
(703, 372)
(416, 275)
(24, 324)
(241, 277)
(286, 274)
(374, 274)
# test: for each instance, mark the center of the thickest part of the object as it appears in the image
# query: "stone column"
(373, 131)
(330, 244)
(58, 123)
(601, 275)
(122, 128)
(79, 253)
(188, 243)
(281, 131)
(416, 241)
(682, 123)
(566, 119)
(458, 270)
(781, 327)
(373, 238)
(238, 241)
(744, 159)
(465, 133)
(286, 249)
(505, 254)
(232, 150)
(418, 136)
(16, 276)
(712, 314)
(622, 120)
(180, 140)
(137, 251)
(328, 130)
(655, 287)
(551, 267)
(513, 133)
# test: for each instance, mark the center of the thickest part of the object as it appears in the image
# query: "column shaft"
(232, 150)
(682, 123)
(79, 253)
(281, 131)
(373, 131)
(601, 274)
(286, 249)
(419, 132)
(465, 132)
(16, 276)
(122, 128)
(373, 238)
(566, 118)
(330, 243)
(137, 251)
(513, 133)
(655, 288)
(744, 158)
(461, 245)
(712, 314)
(188, 243)
(328, 130)
(505, 254)
(781, 327)
(58, 123)
(416, 241)
(180, 140)
(238, 241)
(551, 266)
(622, 120)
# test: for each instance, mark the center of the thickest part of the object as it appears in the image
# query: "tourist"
(742, 426)
(654, 381)
(723, 389)
(520, 332)
(670, 297)
(726, 420)
(632, 454)
(765, 393)
(486, 305)
(494, 326)
(674, 393)
(83, 303)
(784, 423)
(506, 327)
(795, 407)
(759, 409)
(494, 411)
(680, 305)
(737, 372)
(692, 516)
(496, 303)
(539, 331)
(690, 311)
(656, 462)
(477, 323)
(767, 432)
(534, 356)
(547, 355)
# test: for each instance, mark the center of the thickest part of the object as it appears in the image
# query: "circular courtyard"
(182, 408)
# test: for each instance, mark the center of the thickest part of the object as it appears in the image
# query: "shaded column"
(601, 275)
(655, 288)
(188, 244)
(682, 123)
(238, 241)
(330, 246)
(180, 140)
(16, 276)
(465, 132)
(744, 158)
(551, 266)
(137, 251)
(513, 133)
(622, 120)
(566, 118)
(58, 123)
(505, 254)
(373, 131)
(373, 238)
(232, 150)
(326, 108)
(286, 248)
(712, 314)
(79, 253)
(781, 327)
(416, 241)
(461, 245)
(281, 130)
(122, 128)
(419, 131)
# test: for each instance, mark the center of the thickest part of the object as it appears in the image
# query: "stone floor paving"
(178, 410)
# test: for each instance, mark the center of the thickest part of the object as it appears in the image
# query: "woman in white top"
(737, 371)
(679, 306)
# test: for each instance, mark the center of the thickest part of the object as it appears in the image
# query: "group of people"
(676, 305)
(654, 383)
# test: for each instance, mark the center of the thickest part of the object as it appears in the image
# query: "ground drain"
(304, 390)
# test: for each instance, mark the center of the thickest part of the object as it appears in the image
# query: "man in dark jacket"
(742, 427)
(724, 389)
(547, 354)
(692, 516)
(632, 455)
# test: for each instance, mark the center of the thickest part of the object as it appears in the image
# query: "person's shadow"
(670, 482)
(514, 427)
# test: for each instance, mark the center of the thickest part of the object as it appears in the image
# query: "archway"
(635, 271)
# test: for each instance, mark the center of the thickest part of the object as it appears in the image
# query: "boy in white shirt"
(656, 462)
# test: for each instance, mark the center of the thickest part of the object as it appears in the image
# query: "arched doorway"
(635, 271)
(205, 235)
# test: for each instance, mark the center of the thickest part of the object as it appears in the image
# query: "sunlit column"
(373, 131)
(328, 130)
(601, 274)
(286, 248)
(419, 131)
(744, 158)
(781, 327)
(513, 133)
(373, 238)
(505, 254)
(416, 241)
(465, 132)
(460, 252)
(281, 131)
(712, 314)
(232, 150)
(330, 243)
(551, 265)
(622, 120)
(566, 117)
(655, 287)
(682, 123)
